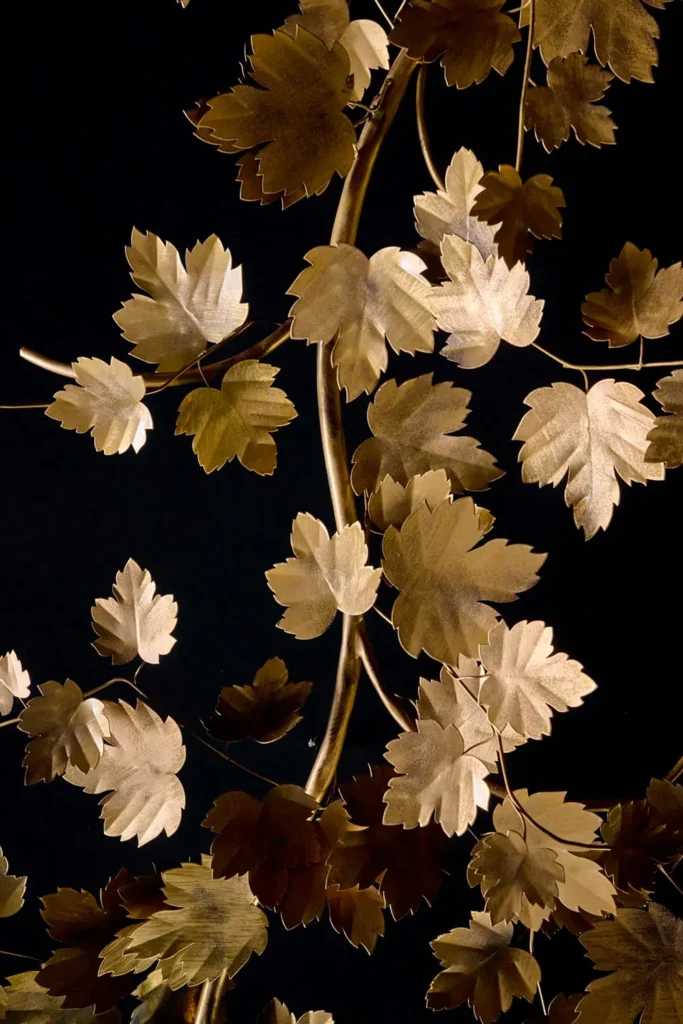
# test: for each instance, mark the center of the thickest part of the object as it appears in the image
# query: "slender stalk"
(676, 771)
(397, 708)
(602, 366)
(29, 405)
(384, 14)
(21, 956)
(540, 990)
(228, 758)
(420, 106)
(670, 879)
(525, 86)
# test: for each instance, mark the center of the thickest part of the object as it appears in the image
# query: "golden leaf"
(482, 969)
(562, 1010)
(521, 208)
(139, 763)
(12, 889)
(238, 420)
(640, 301)
(356, 302)
(304, 900)
(644, 951)
(411, 424)
(277, 1013)
(438, 214)
(666, 436)
(14, 681)
(325, 576)
(214, 927)
(106, 400)
(591, 438)
(161, 1005)
(135, 622)
(525, 680)
(24, 1001)
(264, 711)
(568, 101)
(187, 308)
(483, 304)
(392, 503)
(472, 37)
(444, 578)
(513, 877)
(636, 843)
(357, 913)
(296, 116)
(66, 730)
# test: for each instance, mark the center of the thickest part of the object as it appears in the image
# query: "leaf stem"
(675, 772)
(399, 709)
(420, 112)
(30, 405)
(525, 86)
(660, 867)
(540, 990)
(227, 757)
(21, 956)
(601, 366)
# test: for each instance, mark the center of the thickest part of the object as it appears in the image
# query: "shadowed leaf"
(67, 731)
(522, 208)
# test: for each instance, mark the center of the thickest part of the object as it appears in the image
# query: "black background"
(96, 142)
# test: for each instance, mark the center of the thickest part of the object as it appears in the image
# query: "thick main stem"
(525, 86)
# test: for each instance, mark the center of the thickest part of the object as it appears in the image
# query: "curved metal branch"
(420, 111)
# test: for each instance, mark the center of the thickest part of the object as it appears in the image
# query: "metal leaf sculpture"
(12, 889)
(449, 211)
(569, 101)
(524, 209)
(264, 711)
(666, 436)
(277, 1013)
(136, 621)
(15, 682)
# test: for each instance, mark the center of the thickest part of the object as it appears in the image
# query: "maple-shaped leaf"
(214, 926)
(444, 578)
(666, 436)
(161, 1005)
(357, 303)
(639, 302)
(264, 711)
(591, 438)
(237, 420)
(525, 681)
(562, 1010)
(263, 839)
(484, 303)
(14, 682)
(187, 308)
(472, 37)
(24, 1001)
(638, 839)
(357, 914)
(139, 764)
(514, 877)
(644, 951)
(665, 800)
(412, 424)
(482, 969)
(66, 731)
(392, 503)
(326, 575)
(305, 898)
(438, 214)
(296, 116)
(135, 622)
(106, 400)
(277, 1013)
(522, 208)
(12, 889)
(569, 101)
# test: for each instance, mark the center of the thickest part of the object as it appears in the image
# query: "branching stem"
(600, 367)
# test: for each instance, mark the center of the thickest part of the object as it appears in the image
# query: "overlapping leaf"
(637, 843)
(264, 711)
(666, 436)
(438, 214)
(357, 913)
(514, 877)
(522, 208)
(161, 1005)
(24, 1001)
(569, 101)
(277, 1013)
(135, 622)
(66, 731)
(12, 889)
(562, 1010)
(14, 681)
(392, 503)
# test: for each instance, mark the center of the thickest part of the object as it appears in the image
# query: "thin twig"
(675, 772)
(384, 14)
(392, 702)
(382, 615)
(602, 366)
(22, 956)
(420, 112)
(228, 758)
(539, 989)
(525, 86)
(30, 405)
(668, 877)
(196, 360)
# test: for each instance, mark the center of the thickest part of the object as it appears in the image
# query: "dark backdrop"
(96, 142)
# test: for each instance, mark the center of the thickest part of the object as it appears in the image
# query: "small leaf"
(134, 622)
(264, 711)
(568, 101)
(562, 1010)
(666, 436)
(513, 877)
(12, 889)
(392, 503)
(277, 1013)
(357, 913)
(14, 682)
(521, 208)
(67, 731)
(438, 214)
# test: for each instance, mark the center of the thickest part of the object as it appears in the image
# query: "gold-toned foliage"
(513, 877)
(14, 682)
(277, 1013)
(24, 1001)
(594, 438)
(482, 969)
(12, 889)
(265, 710)
(665, 800)
(305, 898)
(438, 214)
(357, 914)
(297, 116)
(562, 1010)
(237, 420)
(484, 303)
(65, 730)
(638, 840)
(522, 208)
(666, 436)
(107, 401)
(326, 575)
(139, 764)
(392, 503)
(357, 303)
(135, 622)
(639, 302)
(525, 681)
(411, 424)
(472, 37)
(187, 308)
(159, 1004)
(644, 951)
(444, 578)
(569, 101)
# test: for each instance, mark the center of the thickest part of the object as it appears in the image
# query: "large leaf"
(514, 876)
(438, 214)
(66, 731)
(264, 711)
(14, 681)
(135, 622)
(569, 101)
(666, 436)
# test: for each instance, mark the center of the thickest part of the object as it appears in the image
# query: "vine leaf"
(12, 889)
(65, 730)
(187, 308)
(357, 303)
(666, 802)
(438, 214)
(238, 419)
(521, 208)
(525, 680)
(277, 1013)
(644, 951)
(106, 400)
(411, 424)
(482, 969)
(139, 764)
(357, 913)
(326, 575)
(562, 1010)
(666, 436)
(135, 622)
(569, 101)
(14, 682)
(305, 87)
(591, 438)
(513, 876)
(483, 304)
(264, 711)
(161, 1005)
(639, 302)
(636, 843)
(24, 1001)
(304, 900)
(444, 578)
(472, 37)
(392, 503)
